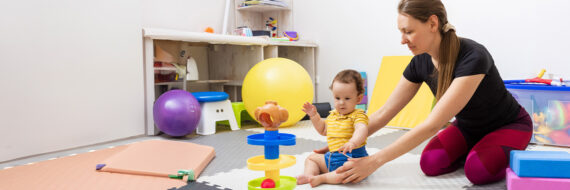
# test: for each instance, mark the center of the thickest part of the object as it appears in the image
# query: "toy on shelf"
(271, 116)
(271, 25)
(291, 35)
(165, 67)
(243, 31)
(209, 30)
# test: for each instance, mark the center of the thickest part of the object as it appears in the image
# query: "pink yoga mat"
(515, 182)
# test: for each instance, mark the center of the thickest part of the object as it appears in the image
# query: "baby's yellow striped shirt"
(341, 127)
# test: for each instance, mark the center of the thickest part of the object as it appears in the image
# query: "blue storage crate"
(549, 107)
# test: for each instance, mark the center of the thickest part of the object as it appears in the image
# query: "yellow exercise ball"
(281, 80)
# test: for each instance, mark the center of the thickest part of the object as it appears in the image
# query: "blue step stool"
(215, 107)
(545, 164)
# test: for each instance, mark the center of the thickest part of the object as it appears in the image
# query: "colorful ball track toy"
(271, 116)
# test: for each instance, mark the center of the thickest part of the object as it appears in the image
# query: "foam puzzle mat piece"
(402, 173)
(201, 186)
(78, 172)
(160, 158)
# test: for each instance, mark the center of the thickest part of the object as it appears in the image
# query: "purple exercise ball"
(176, 113)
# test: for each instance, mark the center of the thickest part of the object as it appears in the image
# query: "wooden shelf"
(193, 82)
(201, 37)
(234, 83)
(300, 43)
(176, 35)
(169, 83)
(263, 8)
(208, 81)
(165, 69)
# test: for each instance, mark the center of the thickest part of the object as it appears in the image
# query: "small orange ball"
(209, 30)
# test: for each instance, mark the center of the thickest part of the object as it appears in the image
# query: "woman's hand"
(356, 169)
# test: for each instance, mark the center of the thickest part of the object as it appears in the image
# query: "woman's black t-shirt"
(491, 107)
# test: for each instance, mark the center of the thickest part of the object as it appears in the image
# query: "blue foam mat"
(547, 164)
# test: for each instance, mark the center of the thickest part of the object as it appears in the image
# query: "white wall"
(71, 74)
(187, 15)
(523, 36)
(72, 71)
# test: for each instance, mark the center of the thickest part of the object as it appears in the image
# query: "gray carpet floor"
(232, 151)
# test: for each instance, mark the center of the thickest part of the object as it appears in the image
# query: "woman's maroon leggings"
(488, 158)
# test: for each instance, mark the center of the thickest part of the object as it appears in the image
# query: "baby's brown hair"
(348, 76)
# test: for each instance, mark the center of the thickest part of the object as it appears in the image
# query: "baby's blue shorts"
(337, 159)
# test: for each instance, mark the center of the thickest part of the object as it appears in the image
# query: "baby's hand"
(347, 147)
(309, 109)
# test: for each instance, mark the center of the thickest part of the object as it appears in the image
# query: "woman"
(462, 75)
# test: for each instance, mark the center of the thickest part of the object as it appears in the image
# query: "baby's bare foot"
(316, 180)
(303, 179)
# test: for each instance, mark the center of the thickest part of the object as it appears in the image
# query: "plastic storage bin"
(165, 72)
(549, 107)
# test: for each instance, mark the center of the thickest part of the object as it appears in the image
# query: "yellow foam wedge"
(390, 73)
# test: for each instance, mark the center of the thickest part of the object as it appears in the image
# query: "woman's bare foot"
(303, 179)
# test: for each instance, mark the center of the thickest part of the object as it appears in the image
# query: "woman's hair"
(350, 76)
(449, 47)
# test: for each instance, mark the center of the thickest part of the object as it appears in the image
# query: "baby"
(345, 129)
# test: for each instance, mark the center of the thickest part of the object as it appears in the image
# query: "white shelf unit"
(255, 16)
(222, 61)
